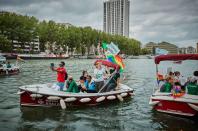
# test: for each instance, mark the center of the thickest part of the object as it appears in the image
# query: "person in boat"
(8, 65)
(61, 75)
(90, 85)
(84, 75)
(170, 75)
(82, 86)
(99, 76)
(71, 85)
(177, 88)
(177, 76)
(192, 86)
(114, 83)
(167, 87)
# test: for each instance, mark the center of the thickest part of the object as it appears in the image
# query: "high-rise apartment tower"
(116, 17)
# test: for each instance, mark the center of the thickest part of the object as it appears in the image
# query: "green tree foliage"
(145, 51)
(24, 29)
(5, 45)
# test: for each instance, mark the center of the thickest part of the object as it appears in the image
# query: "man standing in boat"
(61, 75)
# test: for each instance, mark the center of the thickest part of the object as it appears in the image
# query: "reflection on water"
(133, 114)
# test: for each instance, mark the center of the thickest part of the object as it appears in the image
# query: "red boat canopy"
(175, 57)
(108, 63)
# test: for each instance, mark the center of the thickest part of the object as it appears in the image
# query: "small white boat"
(7, 71)
(45, 95)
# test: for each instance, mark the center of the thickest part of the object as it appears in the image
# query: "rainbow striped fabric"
(116, 59)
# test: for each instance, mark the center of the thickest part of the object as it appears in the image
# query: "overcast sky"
(175, 21)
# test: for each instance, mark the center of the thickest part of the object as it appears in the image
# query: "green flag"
(104, 45)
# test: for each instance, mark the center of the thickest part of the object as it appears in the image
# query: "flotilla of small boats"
(45, 95)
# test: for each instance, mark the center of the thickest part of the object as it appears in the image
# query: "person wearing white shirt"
(99, 76)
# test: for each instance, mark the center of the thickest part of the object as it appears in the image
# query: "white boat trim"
(44, 89)
(193, 106)
(174, 112)
(153, 103)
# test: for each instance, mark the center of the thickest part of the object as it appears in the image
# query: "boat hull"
(9, 72)
(30, 98)
(178, 106)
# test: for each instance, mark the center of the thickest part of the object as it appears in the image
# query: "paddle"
(107, 82)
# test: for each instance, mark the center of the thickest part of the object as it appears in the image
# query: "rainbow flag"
(116, 59)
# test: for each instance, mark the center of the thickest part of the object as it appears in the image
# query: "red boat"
(45, 95)
(185, 104)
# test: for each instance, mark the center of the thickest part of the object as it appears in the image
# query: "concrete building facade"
(171, 48)
(197, 48)
(27, 47)
(116, 17)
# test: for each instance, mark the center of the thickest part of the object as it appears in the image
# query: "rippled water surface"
(133, 114)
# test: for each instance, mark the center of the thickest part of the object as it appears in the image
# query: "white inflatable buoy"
(36, 95)
(85, 100)
(62, 103)
(124, 94)
(70, 99)
(111, 97)
(53, 98)
(120, 98)
(100, 99)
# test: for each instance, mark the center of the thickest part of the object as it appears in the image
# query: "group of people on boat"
(173, 83)
(103, 80)
(5, 65)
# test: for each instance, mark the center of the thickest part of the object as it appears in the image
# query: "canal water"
(133, 114)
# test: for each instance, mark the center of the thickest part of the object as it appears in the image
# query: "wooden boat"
(184, 104)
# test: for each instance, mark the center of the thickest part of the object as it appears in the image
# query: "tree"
(5, 44)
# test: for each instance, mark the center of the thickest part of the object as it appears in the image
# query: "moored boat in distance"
(184, 104)
(4, 70)
(35, 56)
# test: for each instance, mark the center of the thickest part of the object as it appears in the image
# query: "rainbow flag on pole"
(116, 59)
